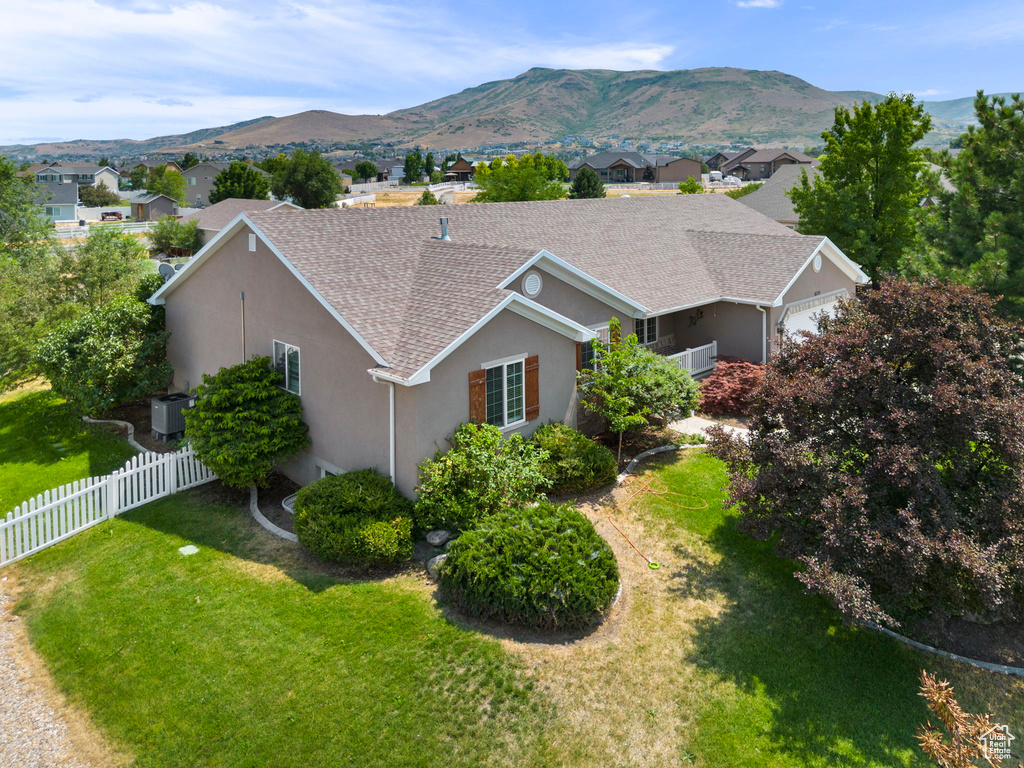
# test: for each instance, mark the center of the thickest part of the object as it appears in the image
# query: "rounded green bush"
(357, 517)
(543, 566)
(575, 463)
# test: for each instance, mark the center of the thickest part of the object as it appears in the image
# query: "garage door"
(802, 316)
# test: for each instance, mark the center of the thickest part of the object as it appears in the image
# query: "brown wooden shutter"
(478, 396)
(532, 388)
(579, 356)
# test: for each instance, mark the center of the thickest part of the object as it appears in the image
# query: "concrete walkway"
(695, 425)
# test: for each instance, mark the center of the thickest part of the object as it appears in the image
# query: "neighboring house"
(81, 175)
(717, 160)
(632, 167)
(59, 201)
(199, 181)
(153, 207)
(755, 165)
(152, 165)
(214, 218)
(772, 199)
(394, 331)
(383, 170)
(929, 200)
(460, 170)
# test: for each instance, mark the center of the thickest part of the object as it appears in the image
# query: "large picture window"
(286, 362)
(646, 330)
(506, 402)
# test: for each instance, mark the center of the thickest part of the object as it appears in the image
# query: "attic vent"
(532, 284)
(817, 262)
(252, 243)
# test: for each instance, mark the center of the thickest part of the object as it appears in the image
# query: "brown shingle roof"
(409, 295)
(219, 215)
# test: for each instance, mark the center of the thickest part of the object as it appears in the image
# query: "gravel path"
(33, 734)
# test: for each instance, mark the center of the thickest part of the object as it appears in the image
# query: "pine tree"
(586, 185)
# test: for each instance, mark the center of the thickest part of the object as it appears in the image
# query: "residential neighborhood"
(480, 386)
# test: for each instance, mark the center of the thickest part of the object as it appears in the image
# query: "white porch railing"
(697, 359)
(62, 512)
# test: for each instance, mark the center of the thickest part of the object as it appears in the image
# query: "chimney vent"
(444, 228)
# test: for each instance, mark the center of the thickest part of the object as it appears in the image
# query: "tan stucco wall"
(346, 411)
(679, 170)
(428, 414)
(567, 300)
(810, 284)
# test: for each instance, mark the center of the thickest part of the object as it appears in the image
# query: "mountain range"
(716, 105)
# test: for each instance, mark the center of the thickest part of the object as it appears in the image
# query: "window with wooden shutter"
(478, 396)
(532, 388)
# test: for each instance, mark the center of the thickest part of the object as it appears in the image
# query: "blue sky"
(139, 68)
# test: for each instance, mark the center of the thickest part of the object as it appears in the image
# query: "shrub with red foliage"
(886, 456)
(730, 388)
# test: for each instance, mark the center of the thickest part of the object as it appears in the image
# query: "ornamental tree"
(243, 422)
(691, 186)
(630, 382)
(586, 185)
(94, 197)
(111, 355)
(886, 456)
(240, 180)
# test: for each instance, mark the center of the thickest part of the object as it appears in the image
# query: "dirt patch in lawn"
(277, 489)
(636, 442)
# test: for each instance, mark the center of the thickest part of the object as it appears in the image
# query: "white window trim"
(273, 357)
(325, 467)
(504, 363)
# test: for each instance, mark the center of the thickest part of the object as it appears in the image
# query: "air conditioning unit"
(167, 415)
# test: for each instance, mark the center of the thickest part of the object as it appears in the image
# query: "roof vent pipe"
(444, 228)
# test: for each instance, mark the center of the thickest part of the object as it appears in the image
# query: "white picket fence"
(697, 360)
(62, 512)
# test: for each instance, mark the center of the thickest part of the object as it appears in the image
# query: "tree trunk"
(619, 460)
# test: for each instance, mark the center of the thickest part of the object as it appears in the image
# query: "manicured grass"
(44, 444)
(793, 686)
(243, 656)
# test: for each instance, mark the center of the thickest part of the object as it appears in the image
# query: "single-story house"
(153, 207)
(214, 218)
(58, 201)
(199, 181)
(772, 199)
(81, 175)
(349, 168)
(717, 160)
(755, 165)
(632, 167)
(460, 170)
(393, 330)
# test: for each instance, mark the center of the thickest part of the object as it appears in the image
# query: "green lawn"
(793, 685)
(44, 444)
(251, 654)
(237, 656)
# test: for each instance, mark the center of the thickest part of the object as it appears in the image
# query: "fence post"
(112, 495)
(172, 472)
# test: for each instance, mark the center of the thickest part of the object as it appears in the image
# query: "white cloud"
(759, 3)
(930, 92)
(143, 68)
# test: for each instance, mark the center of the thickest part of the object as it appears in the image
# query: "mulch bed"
(138, 415)
(636, 442)
(1001, 643)
(271, 495)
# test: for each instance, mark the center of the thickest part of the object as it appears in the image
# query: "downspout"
(241, 301)
(391, 425)
(764, 334)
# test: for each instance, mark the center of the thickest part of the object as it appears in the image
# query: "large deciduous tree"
(167, 181)
(869, 183)
(365, 170)
(586, 185)
(886, 456)
(308, 180)
(515, 182)
(111, 355)
(412, 168)
(240, 180)
(243, 423)
(93, 197)
(977, 228)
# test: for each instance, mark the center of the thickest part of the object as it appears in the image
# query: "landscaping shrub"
(483, 472)
(575, 463)
(730, 387)
(543, 566)
(357, 517)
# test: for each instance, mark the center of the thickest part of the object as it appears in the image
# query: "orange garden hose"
(645, 487)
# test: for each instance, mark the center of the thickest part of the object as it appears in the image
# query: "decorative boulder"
(438, 538)
(433, 564)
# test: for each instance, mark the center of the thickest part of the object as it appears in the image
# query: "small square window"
(646, 330)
